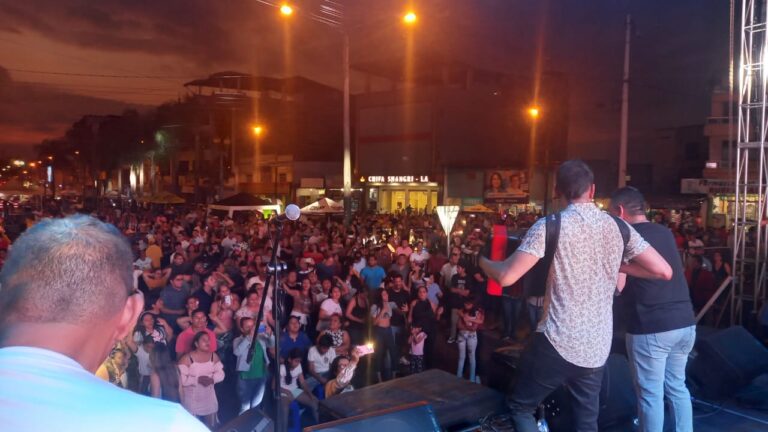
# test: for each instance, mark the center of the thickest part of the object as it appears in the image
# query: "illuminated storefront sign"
(398, 179)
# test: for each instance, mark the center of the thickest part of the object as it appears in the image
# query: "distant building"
(435, 136)
(270, 136)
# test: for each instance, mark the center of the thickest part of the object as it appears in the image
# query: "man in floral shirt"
(573, 338)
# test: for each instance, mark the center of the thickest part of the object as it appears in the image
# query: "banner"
(506, 187)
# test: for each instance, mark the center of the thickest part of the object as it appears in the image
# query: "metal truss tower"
(750, 231)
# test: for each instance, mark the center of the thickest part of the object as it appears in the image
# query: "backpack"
(535, 281)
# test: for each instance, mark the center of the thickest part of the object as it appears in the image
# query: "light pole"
(625, 107)
(409, 18)
(258, 131)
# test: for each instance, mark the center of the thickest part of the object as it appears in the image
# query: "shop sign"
(711, 186)
(398, 179)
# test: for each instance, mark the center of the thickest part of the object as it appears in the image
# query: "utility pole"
(347, 161)
(625, 107)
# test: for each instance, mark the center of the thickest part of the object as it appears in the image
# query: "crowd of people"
(387, 282)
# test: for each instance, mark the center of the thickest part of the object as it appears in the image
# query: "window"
(692, 150)
(725, 149)
(184, 167)
(266, 175)
(282, 178)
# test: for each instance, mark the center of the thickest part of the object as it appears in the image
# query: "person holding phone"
(343, 371)
(381, 312)
(252, 362)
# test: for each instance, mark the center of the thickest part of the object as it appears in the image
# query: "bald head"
(75, 270)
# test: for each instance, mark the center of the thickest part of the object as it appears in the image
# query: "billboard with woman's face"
(506, 187)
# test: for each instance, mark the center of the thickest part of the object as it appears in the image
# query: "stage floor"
(729, 417)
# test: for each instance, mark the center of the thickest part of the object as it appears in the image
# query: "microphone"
(292, 213)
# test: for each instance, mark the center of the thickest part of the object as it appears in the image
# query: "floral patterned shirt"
(578, 316)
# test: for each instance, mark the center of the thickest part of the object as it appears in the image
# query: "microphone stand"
(273, 273)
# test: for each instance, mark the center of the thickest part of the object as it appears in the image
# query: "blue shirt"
(174, 299)
(432, 291)
(372, 276)
(287, 344)
(42, 390)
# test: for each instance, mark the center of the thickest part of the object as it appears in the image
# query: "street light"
(534, 112)
(258, 130)
(409, 18)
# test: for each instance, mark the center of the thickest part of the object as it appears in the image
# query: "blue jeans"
(467, 343)
(250, 392)
(657, 361)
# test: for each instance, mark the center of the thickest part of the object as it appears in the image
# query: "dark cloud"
(199, 30)
(30, 113)
(679, 50)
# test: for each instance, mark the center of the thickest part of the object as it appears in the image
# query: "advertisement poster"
(506, 187)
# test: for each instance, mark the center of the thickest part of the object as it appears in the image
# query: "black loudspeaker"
(252, 420)
(415, 417)
(725, 362)
(618, 403)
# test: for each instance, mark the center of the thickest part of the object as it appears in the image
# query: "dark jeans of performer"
(385, 344)
(511, 310)
(543, 370)
(534, 316)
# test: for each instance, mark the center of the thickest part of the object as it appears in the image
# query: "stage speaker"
(415, 417)
(252, 420)
(618, 403)
(725, 362)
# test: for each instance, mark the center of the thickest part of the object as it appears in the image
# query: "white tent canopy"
(323, 206)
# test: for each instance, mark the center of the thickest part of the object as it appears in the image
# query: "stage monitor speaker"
(415, 417)
(725, 362)
(252, 420)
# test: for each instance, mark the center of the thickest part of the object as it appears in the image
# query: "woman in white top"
(294, 387)
(328, 308)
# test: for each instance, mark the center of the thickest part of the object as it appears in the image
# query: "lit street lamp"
(533, 112)
(258, 130)
(409, 19)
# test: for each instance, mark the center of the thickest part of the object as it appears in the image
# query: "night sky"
(62, 59)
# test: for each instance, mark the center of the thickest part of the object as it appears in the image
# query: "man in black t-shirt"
(398, 293)
(661, 327)
(460, 289)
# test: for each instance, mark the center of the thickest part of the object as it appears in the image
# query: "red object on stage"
(498, 253)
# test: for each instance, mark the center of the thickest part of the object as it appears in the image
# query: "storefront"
(393, 194)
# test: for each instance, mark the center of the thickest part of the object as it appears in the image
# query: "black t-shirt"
(205, 300)
(400, 298)
(654, 306)
(456, 301)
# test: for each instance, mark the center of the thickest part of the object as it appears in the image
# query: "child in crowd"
(145, 368)
(416, 340)
(470, 319)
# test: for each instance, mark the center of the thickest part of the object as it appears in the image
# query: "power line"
(90, 86)
(97, 75)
